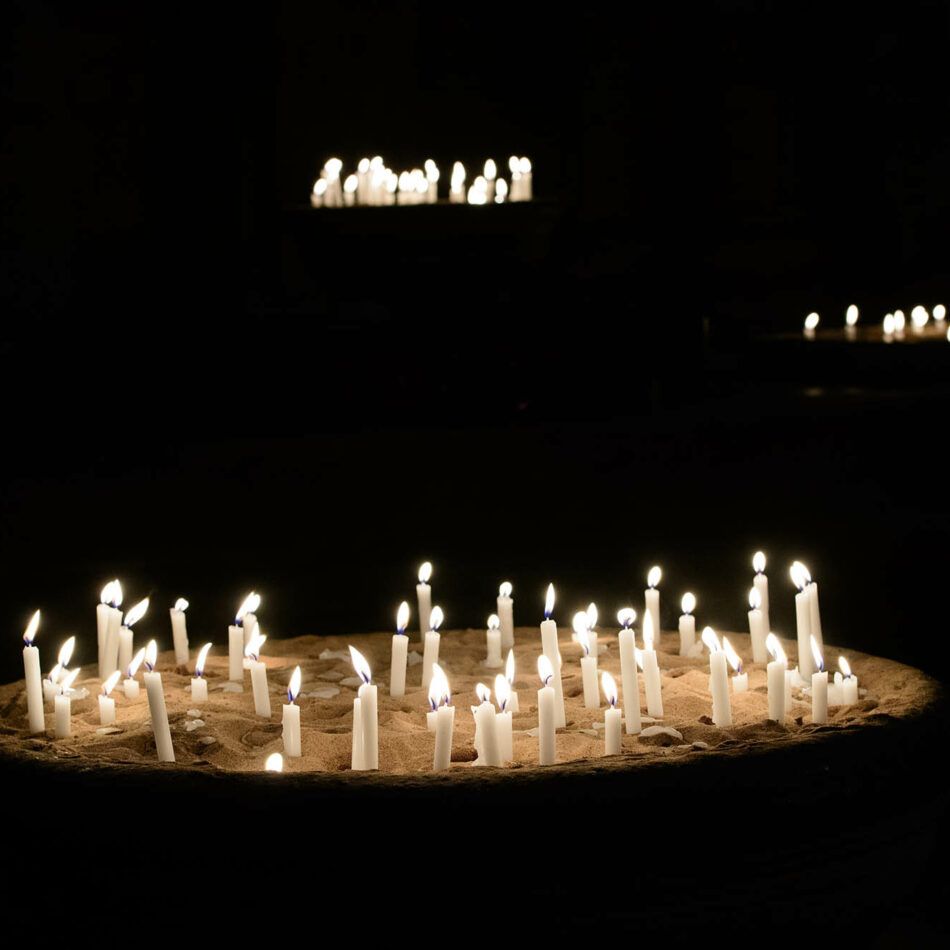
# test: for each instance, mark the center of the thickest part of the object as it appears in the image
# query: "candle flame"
(493, 622)
(29, 635)
(491, 169)
(626, 616)
(844, 666)
(816, 653)
(735, 661)
(116, 594)
(513, 163)
(755, 599)
(501, 191)
(135, 663)
(360, 665)
(758, 562)
(510, 667)
(350, 184)
(151, 655)
(436, 618)
(248, 606)
(851, 315)
(202, 657)
(362, 166)
(800, 576)
(711, 640)
(811, 321)
(502, 692)
(425, 572)
(55, 673)
(648, 631)
(253, 649)
(109, 684)
(505, 589)
(293, 687)
(136, 613)
(333, 167)
(887, 324)
(402, 617)
(458, 176)
(545, 670)
(105, 595)
(592, 615)
(653, 578)
(483, 693)
(609, 687)
(549, 602)
(775, 648)
(181, 604)
(274, 763)
(66, 683)
(688, 603)
(320, 187)
(940, 313)
(581, 622)
(66, 652)
(919, 316)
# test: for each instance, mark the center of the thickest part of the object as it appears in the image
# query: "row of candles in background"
(374, 184)
(892, 326)
(493, 734)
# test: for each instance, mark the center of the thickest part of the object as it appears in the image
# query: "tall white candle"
(130, 683)
(513, 704)
(651, 598)
(430, 652)
(629, 677)
(687, 624)
(757, 627)
(444, 720)
(369, 717)
(180, 631)
(356, 751)
(400, 653)
(62, 706)
(106, 702)
(761, 584)
(849, 684)
(503, 725)
(258, 675)
(819, 685)
(493, 642)
(156, 705)
(290, 720)
(651, 670)
(547, 750)
(490, 752)
(549, 645)
(775, 678)
(612, 716)
(31, 674)
(134, 615)
(588, 663)
(424, 599)
(740, 680)
(199, 685)
(800, 579)
(505, 606)
(114, 620)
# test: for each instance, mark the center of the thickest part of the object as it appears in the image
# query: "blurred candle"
(350, 185)
(757, 629)
(629, 677)
(369, 717)
(50, 684)
(819, 686)
(800, 578)
(501, 191)
(31, 673)
(549, 646)
(489, 752)
(290, 720)
(111, 647)
(62, 706)
(430, 653)
(718, 679)
(106, 611)
(424, 598)
(156, 706)
(503, 724)
(588, 663)
(513, 704)
(740, 681)
(432, 181)
(652, 598)
(811, 324)
(940, 313)
(180, 631)
(775, 678)
(438, 685)
(134, 615)
(849, 683)
(493, 642)
(592, 617)
(258, 675)
(612, 716)
(400, 653)
(651, 670)
(199, 685)
(687, 624)
(547, 751)
(130, 684)
(851, 321)
(505, 607)
(106, 703)
(761, 583)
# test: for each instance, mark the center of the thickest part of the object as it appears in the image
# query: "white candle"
(503, 725)
(106, 703)
(547, 750)
(51, 683)
(444, 720)
(849, 685)
(111, 646)
(740, 681)
(430, 653)
(356, 751)
(505, 606)
(718, 679)
(513, 704)
(180, 631)
(588, 663)
(629, 677)
(236, 654)
(490, 752)
(400, 653)
(62, 707)
(612, 717)
(775, 678)
(815, 613)
(290, 720)
(130, 684)
(550, 648)
(800, 579)
(424, 599)
(651, 670)
(761, 584)
(258, 675)
(757, 628)
(369, 717)
(493, 642)
(819, 689)
(687, 624)
(651, 598)
(104, 611)
(274, 763)
(134, 615)
(156, 706)
(199, 685)
(31, 674)
(490, 173)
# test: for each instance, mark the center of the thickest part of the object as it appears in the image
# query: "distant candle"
(134, 615)
(740, 681)
(430, 652)
(424, 599)
(106, 703)
(180, 631)
(800, 578)
(247, 616)
(718, 679)
(444, 713)
(612, 716)
(549, 646)
(547, 750)
(775, 678)
(290, 721)
(369, 717)
(761, 583)
(687, 624)
(130, 683)
(849, 683)
(400, 653)
(258, 675)
(651, 670)
(505, 607)
(588, 663)
(757, 628)
(62, 707)
(156, 706)
(819, 686)
(31, 673)
(493, 642)
(652, 600)
(629, 677)
(199, 685)
(503, 725)
(513, 704)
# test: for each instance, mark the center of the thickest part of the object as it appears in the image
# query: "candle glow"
(735, 661)
(136, 613)
(151, 655)
(181, 604)
(200, 662)
(29, 635)
(135, 663)
(110, 683)
(248, 606)
(626, 617)
(609, 687)
(758, 562)
(274, 763)
(253, 649)
(653, 577)
(549, 604)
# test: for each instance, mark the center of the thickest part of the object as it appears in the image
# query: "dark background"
(208, 388)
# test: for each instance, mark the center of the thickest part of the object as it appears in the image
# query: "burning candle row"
(893, 324)
(375, 184)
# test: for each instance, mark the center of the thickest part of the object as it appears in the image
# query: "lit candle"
(592, 616)
(612, 716)
(775, 678)
(651, 670)
(106, 702)
(819, 686)
(130, 683)
(527, 188)
(107, 613)
(757, 627)
(156, 705)
(62, 707)
(919, 318)
(740, 681)
(400, 653)
(899, 323)
(490, 173)
(430, 653)
(629, 677)
(811, 324)
(550, 649)
(31, 674)
(350, 185)
(290, 720)
(50, 687)
(513, 704)
(718, 679)
(114, 620)
(369, 718)
(424, 598)
(134, 615)
(180, 631)
(505, 607)
(652, 599)
(503, 725)
(489, 752)
(814, 611)
(493, 642)
(588, 663)
(457, 189)
(439, 698)
(849, 684)
(547, 751)
(199, 685)
(274, 763)
(940, 313)
(258, 675)
(236, 640)
(800, 579)
(432, 181)
(761, 584)
(517, 187)
(887, 327)
(687, 624)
